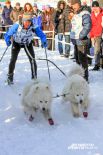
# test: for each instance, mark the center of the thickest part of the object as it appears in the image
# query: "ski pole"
(4, 53)
(47, 63)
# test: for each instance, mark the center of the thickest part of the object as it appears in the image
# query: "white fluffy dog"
(76, 90)
(37, 95)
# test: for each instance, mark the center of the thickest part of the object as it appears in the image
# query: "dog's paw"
(85, 114)
(51, 122)
(31, 118)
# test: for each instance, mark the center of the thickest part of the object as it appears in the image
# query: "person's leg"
(30, 51)
(76, 54)
(60, 46)
(0, 31)
(97, 44)
(50, 44)
(88, 51)
(101, 55)
(97, 48)
(67, 46)
(82, 55)
(14, 54)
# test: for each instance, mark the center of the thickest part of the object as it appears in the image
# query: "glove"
(44, 44)
(7, 40)
(8, 43)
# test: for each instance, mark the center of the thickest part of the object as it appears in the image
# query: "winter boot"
(66, 55)
(34, 76)
(96, 68)
(10, 79)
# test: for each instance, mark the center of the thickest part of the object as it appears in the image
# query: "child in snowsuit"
(22, 36)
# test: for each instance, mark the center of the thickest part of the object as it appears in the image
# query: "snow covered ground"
(69, 136)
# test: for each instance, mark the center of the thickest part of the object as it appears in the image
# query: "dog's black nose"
(43, 109)
(81, 101)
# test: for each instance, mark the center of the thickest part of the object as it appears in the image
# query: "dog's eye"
(77, 95)
(41, 101)
(46, 101)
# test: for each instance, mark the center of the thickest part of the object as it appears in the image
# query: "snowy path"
(20, 137)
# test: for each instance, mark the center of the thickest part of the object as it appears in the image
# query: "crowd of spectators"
(63, 21)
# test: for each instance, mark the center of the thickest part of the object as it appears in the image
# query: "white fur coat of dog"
(76, 91)
(37, 95)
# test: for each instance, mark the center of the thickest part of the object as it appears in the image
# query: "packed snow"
(69, 135)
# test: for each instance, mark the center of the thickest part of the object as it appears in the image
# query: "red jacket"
(97, 28)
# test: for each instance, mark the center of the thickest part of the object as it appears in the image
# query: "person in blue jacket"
(21, 36)
(37, 20)
(37, 16)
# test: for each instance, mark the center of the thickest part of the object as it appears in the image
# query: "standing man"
(37, 16)
(22, 36)
(66, 24)
(37, 20)
(96, 32)
(6, 14)
(81, 25)
(17, 13)
(48, 25)
(59, 25)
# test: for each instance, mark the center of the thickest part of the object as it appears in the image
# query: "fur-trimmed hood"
(61, 2)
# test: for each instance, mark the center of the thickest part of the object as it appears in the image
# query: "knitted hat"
(95, 4)
(7, 2)
(75, 1)
(27, 16)
(35, 5)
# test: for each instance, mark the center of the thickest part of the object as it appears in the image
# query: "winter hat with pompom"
(27, 16)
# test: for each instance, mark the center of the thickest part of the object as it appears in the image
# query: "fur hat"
(7, 2)
(75, 1)
(27, 16)
(95, 4)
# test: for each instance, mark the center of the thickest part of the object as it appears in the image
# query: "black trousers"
(81, 57)
(14, 55)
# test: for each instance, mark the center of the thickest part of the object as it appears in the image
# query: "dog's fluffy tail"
(76, 69)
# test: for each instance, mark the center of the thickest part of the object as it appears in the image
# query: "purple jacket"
(6, 15)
